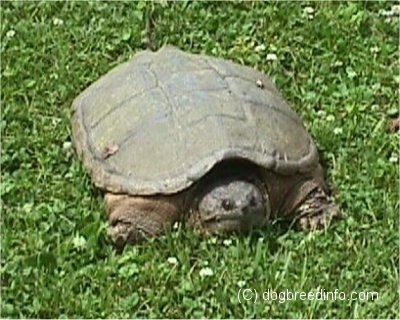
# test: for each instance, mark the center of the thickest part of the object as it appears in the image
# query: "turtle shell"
(162, 120)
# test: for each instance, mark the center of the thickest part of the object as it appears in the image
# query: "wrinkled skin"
(132, 219)
(224, 202)
(231, 205)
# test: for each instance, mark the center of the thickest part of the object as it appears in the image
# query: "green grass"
(339, 69)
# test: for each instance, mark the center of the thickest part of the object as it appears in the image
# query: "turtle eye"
(227, 204)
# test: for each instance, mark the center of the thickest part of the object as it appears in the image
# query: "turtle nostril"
(227, 204)
(252, 202)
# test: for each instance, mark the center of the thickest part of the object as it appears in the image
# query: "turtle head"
(231, 204)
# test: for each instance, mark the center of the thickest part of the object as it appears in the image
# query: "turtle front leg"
(317, 210)
(133, 219)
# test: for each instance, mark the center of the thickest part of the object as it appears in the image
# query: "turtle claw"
(317, 211)
(321, 220)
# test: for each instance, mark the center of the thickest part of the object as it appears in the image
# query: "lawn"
(338, 66)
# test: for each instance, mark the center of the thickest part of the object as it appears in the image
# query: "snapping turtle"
(173, 136)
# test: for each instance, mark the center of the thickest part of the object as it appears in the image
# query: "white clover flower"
(374, 49)
(375, 107)
(260, 48)
(10, 33)
(393, 158)
(67, 149)
(227, 242)
(337, 131)
(330, 117)
(241, 283)
(67, 145)
(58, 22)
(351, 73)
(384, 13)
(79, 242)
(172, 260)
(271, 57)
(175, 225)
(308, 12)
(206, 272)
(337, 64)
(395, 9)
